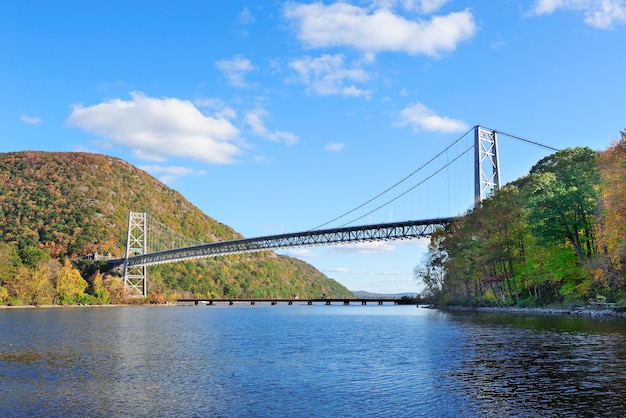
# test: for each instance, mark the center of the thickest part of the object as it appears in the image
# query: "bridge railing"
(365, 233)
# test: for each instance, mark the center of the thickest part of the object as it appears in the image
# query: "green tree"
(562, 192)
(32, 256)
(432, 273)
(97, 289)
(9, 262)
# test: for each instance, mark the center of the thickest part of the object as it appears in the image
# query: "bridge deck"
(307, 301)
(363, 233)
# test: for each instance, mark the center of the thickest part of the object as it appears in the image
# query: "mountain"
(363, 294)
(73, 204)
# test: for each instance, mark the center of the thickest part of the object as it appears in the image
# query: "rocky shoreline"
(580, 311)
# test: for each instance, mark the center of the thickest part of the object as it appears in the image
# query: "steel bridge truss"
(379, 232)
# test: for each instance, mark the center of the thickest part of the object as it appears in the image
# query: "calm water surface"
(307, 361)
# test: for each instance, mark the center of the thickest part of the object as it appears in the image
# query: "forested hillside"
(55, 208)
(555, 236)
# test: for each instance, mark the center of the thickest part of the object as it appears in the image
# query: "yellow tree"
(32, 286)
(69, 284)
(612, 217)
(100, 293)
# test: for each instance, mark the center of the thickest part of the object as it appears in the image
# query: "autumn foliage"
(555, 236)
(57, 208)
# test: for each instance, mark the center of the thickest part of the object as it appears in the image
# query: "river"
(307, 361)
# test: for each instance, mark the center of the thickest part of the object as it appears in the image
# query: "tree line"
(30, 276)
(555, 236)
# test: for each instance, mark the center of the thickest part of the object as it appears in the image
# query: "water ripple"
(306, 361)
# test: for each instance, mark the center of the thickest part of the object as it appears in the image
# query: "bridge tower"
(487, 166)
(136, 244)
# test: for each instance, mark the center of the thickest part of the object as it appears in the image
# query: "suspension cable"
(163, 232)
(412, 188)
(395, 185)
(525, 140)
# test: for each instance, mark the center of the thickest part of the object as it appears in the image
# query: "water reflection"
(544, 366)
(307, 361)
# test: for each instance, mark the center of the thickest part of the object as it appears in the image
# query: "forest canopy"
(58, 209)
(555, 236)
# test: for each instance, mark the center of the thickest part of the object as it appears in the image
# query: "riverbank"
(582, 311)
(58, 306)
(117, 305)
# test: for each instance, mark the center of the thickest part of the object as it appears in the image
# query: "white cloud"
(373, 247)
(170, 174)
(421, 118)
(335, 147)
(328, 75)
(236, 69)
(601, 14)
(221, 111)
(255, 120)
(337, 270)
(31, 120)
(245, 17)
(428, 6)
(158, 129)
(343, 24)
(302, 253)
(420, 6)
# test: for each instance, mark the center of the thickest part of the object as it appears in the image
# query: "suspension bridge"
(139, 254)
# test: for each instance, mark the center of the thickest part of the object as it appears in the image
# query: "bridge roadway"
(276, 301)
(351, 234)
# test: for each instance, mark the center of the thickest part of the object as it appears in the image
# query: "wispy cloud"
(302, 253)
(169, 174)
(364, 248)
(421, 118)
(157, 129)
(337, 270)
(329, 75)
(245, 17)
(379, 29)
(420, 6)
(255, 120)
(335, 147)
(601, 14)
(236, 69)
(31, 120)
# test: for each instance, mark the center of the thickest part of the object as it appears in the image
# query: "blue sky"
(275, 116)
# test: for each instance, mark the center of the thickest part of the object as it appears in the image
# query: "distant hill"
(73, 204)
(362, 294)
